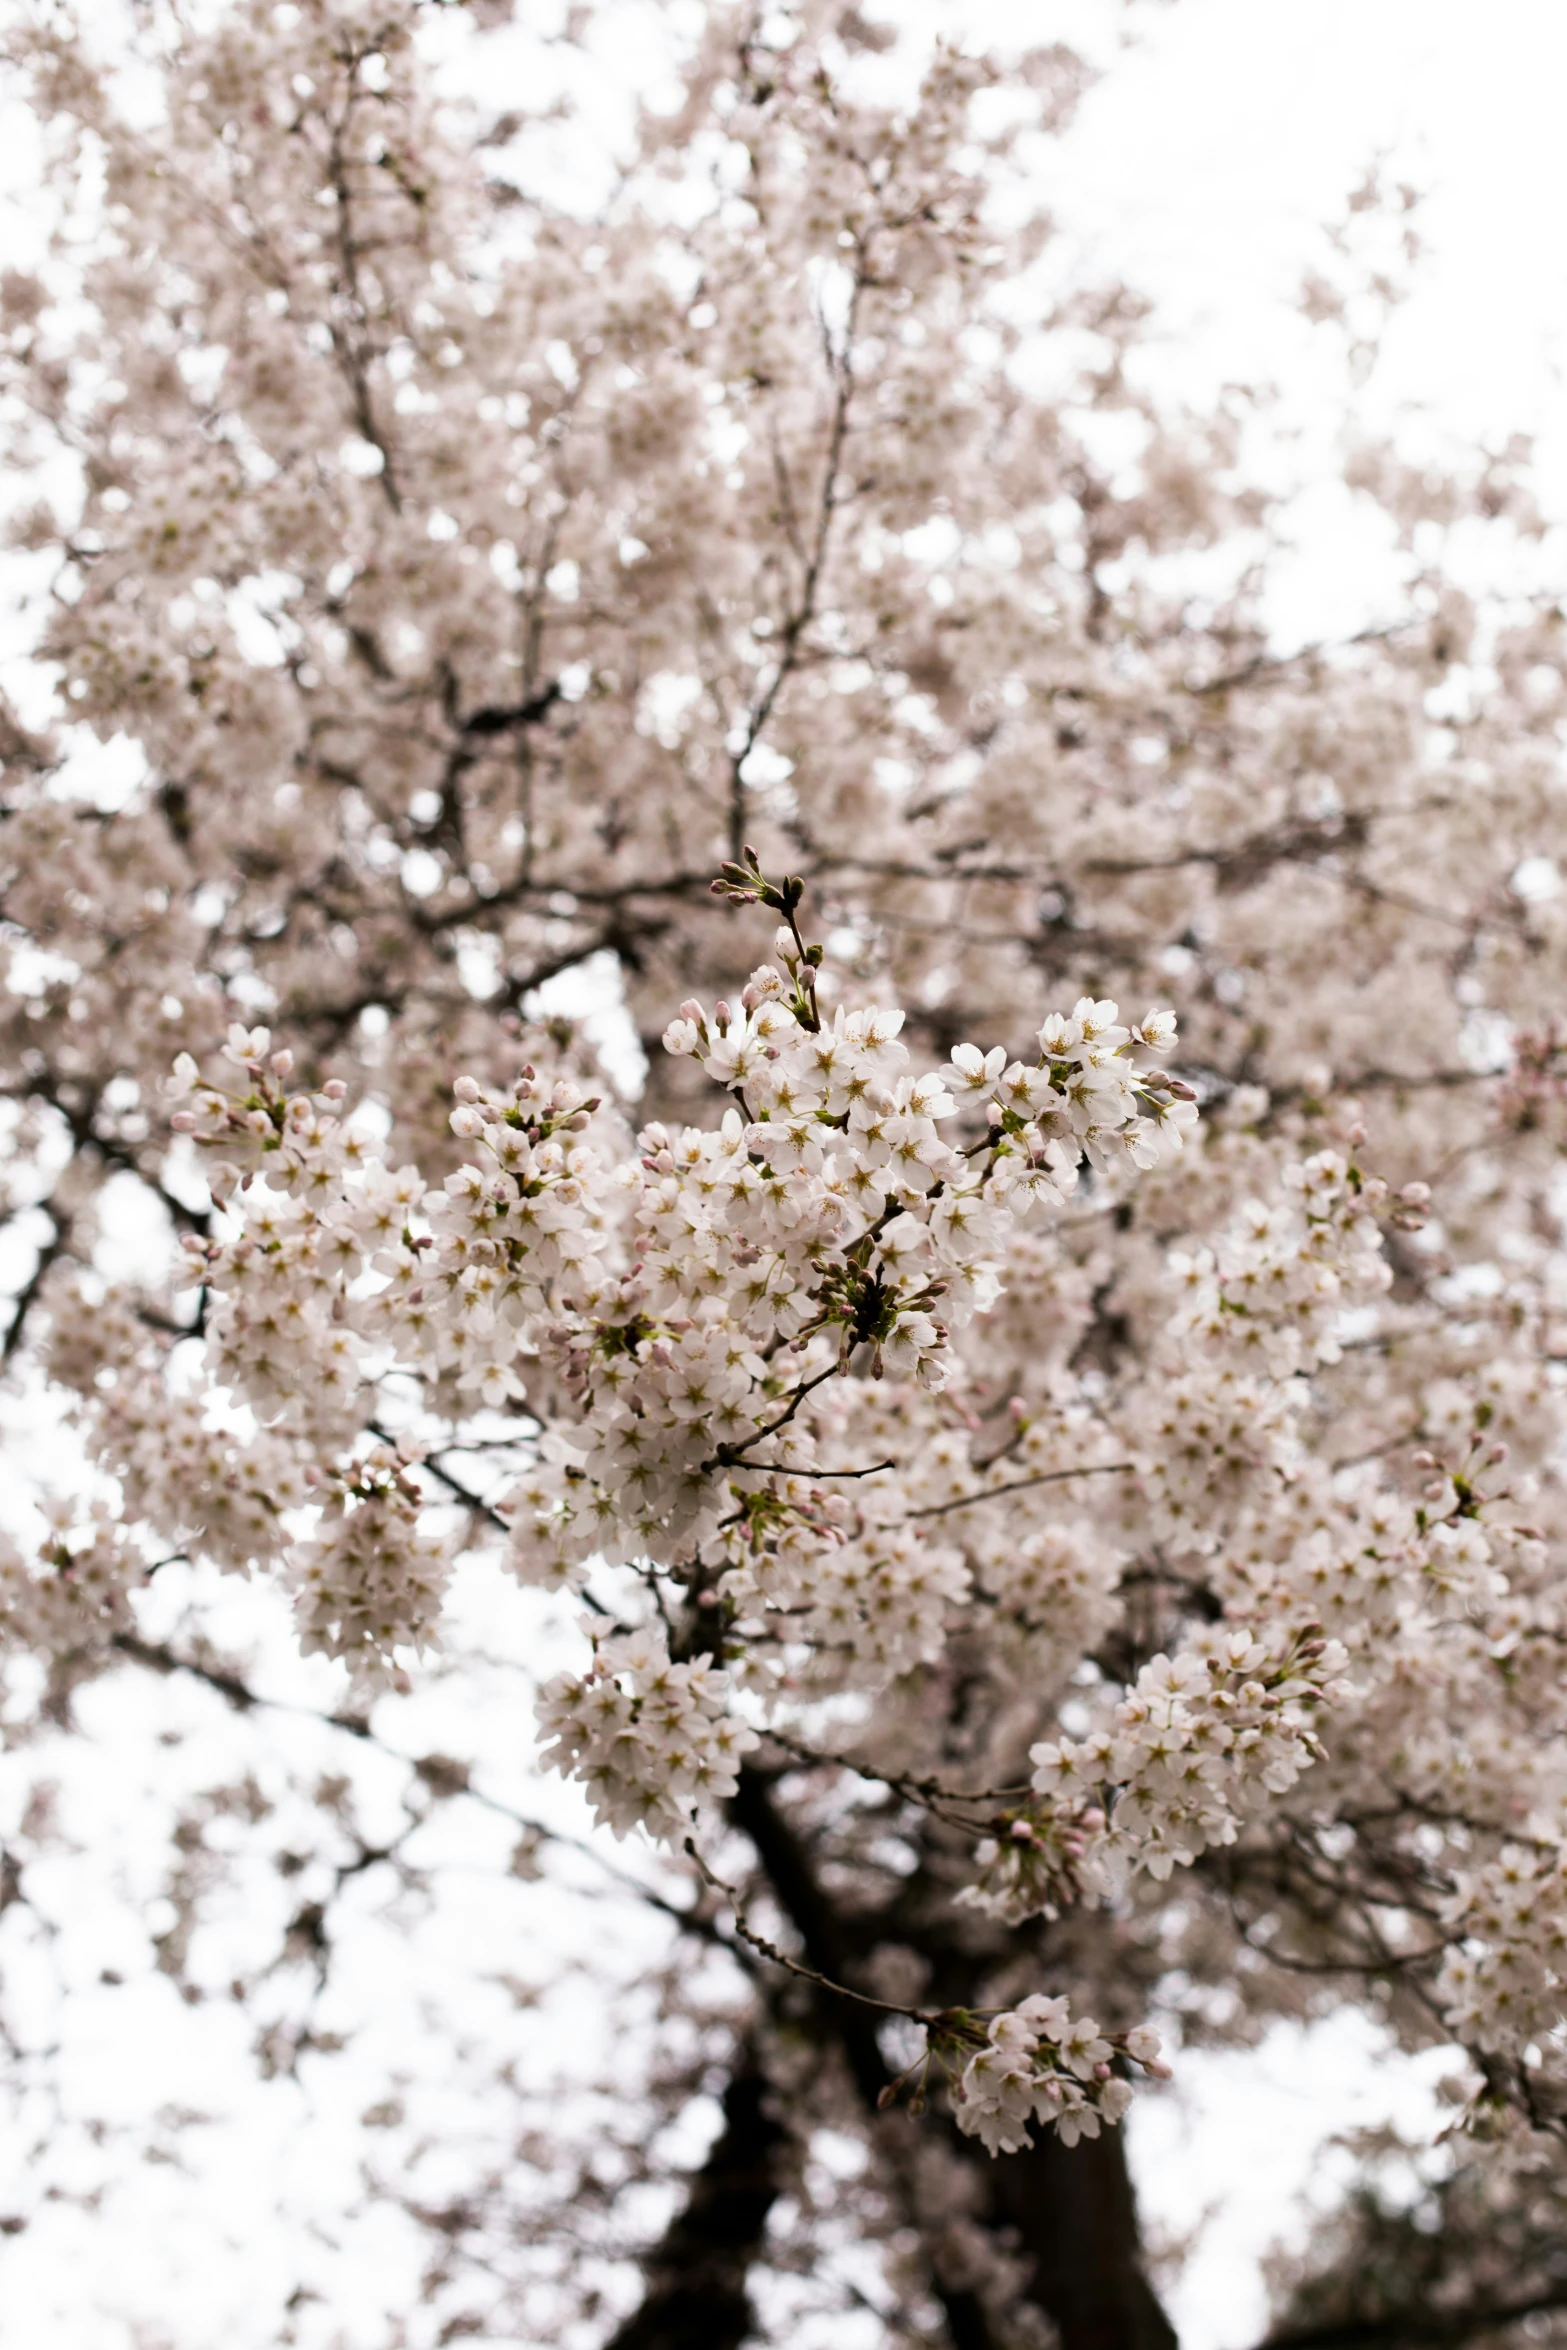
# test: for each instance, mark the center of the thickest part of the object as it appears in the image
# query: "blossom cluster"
(1274, 1288)
(650, 1739)
(1040, 2064)
(1203, 1738)
(825, 1225)
(368, 1583)
(1504, 1982)
(75, 1595)
(1261, 1306)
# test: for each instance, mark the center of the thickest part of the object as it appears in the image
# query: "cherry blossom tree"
(1024, 1426)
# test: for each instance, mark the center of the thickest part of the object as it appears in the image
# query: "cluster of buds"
(538, 1109)
(746, 884)
(266, 1126)
(1031, 1865)
(1534, 1089)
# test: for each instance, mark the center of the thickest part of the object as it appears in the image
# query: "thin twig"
(808, 1974)
(927, 1791)
(939, 1509)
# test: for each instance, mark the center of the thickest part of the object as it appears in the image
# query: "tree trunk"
(696, 2295)
(1075, 2218)
(1070, 2212)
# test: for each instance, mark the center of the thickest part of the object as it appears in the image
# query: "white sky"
(1200, 169)
(1204, 163)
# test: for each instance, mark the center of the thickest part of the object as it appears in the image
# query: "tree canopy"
(999, 1424)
